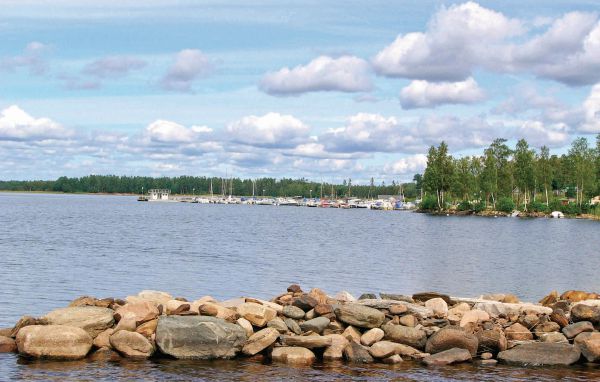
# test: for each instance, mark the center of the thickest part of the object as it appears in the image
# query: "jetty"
(301, 328)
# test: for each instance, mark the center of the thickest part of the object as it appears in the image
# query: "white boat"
(557, 215)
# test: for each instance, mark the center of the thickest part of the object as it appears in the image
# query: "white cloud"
(16, 124)
(457, 39)
(591, 111)
(113, 66)
(189, 65)
(539, 134)
(407, 165)
(420, 93)
(269, 130)
(163, 131)
(31, 58)
(345, 74)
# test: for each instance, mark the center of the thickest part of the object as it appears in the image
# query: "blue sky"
(272, 88)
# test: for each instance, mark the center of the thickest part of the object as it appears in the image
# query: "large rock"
(387, 304)
(293, 355)
(157, 297)
(336, 349)
(198, 337)
(260, 340)
(309, 342)
(371, 336)
(7, 345)
(447, 357)
(438, 306)
(495, 309)
(102, 340)
(26, 321)
(473, 317)
(360, 316)
(293, 312)
(424, 296)
(491, 340)
(518, 332)
(540, 354)
(54, 342)
(589, 344)
(405, 335)
(292, 325)
(92, 319)
(448, 338)
(131, 344)
(257, 314)
(142, 311)
(356, 353)
(584, 312)
(571, 331)
(316, 325)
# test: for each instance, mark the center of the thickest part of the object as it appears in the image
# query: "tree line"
(200, 185)
(504, 178)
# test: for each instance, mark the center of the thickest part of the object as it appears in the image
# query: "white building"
(159, 194)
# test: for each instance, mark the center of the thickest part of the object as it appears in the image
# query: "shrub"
(465, 205)
(571, 209)
(479, 207)
(555, 205)
(537, 206)
(429, 203)
(505, 205)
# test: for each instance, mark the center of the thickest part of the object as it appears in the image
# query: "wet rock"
(148, 328)
(518, 332)
(473, 317)
(447, 357)
(357, 353)
(316, 325)
(384, 349)
(367, 296)
(7, 345)
(246, 325)
(424, 296)
(486, 355)
(392, 360)
(198, 337)
(571, 331)
(131, 344)
(278, 324)
(448, 338)
(583, 312)
(92, 319)
(438, 306)
(102, 340)
(260, 341)
(143, 311)
(336, 349)
(414, 337)
(257, 314)
(360, 316)
(54, 341)
(589, 345)
(371, 336)
(293, 312)
(540, 354)
(293, 355)
(305, 302)
(491, 340)
(292, 325)
(309, 342)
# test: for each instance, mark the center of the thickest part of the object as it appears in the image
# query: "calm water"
(54, 248)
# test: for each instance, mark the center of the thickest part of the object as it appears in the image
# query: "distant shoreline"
(495, 214)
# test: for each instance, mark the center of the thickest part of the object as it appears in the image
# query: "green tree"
(544, 170)
(523, 170)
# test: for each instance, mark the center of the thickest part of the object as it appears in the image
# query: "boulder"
(278, 324)
(356, 353)
(559, 316)
(148, 328)
(174, 307)
(198, 337)
(54, 341)
(305, 302)
(260, 341)
(316, 325)
(324, 310)
(448, 338)
(408, 320)
(292, 325)
(571, 331)
(438, 306)
(473, 317)
(448, 357)
(491, 340)
(540, 354)
(589, 344)
(157, 297)
(414, 337)
(518, 332)
(424, 296)
(127, 322)
(398, 309)
(319, 295)
(550, 299)
(309, 342)
(553, 337)
(420, 310)
(294, 288)
(371, 336)
(143, 311)
(131, 344)
(345, 297)
(546, 327)
(257, 314)
(293, 312)
(395, 297)
(352, 334)
(392, 360)
(495, 309)
(92, 319)
(336, 349)
(360, 316)
(367, 296)
(246, 325)
(384, 349)
(577, 295)
(584, 312)
(7, 345)
(293, 355)
(26, 321)
(102, 340)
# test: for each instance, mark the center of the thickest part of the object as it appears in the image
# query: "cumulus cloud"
(189, 65)
(16, 124)
(591, 110)
(113, 66)
(538, 134)
(345, 74)
(32, 58)
(421, 94)
(407, 165)
(269, 130)
(457, 39)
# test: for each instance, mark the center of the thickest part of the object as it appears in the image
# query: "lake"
(54, 248)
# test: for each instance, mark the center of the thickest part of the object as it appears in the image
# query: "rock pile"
(301, 328)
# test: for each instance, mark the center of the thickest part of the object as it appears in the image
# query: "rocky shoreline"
(495, 214)
(299, 328)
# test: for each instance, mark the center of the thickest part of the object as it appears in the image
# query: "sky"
(325, 90)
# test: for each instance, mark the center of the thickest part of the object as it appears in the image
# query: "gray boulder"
(405, 335)
(448, 338)
(447, 357)
(359, 315)
(92, 319)
(316, 325)
(540, 354)
(199, 337)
